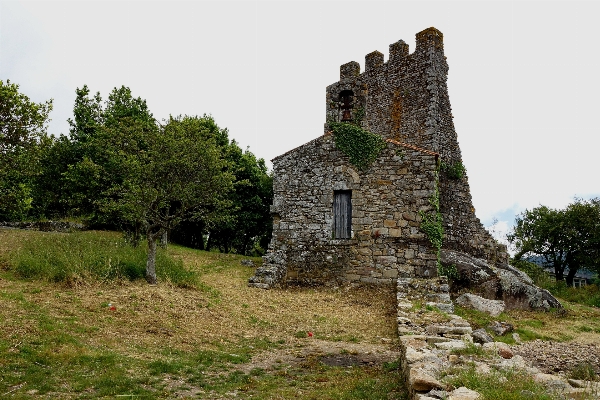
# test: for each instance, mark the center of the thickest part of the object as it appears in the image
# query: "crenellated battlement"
(404, 98)
(349, 70)
(430, 37)
(373, 60)
(399, 51)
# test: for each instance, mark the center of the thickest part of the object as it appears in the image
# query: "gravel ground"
(553, 357)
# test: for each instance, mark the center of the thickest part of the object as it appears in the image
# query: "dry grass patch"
(64, 341)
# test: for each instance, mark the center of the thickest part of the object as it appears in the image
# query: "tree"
(250, 222)
(23, 125)
(567, 239)
(78, 170)
(170, 174)
(68, 181)
(583, 229)
(245, 224)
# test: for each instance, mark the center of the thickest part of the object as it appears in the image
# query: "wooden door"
(342, 214)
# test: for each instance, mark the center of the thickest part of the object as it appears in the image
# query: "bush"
(454, 171)
(80, 256)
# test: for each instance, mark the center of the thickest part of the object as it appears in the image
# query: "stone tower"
(405, 101)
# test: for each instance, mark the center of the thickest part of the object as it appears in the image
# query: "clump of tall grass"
(79, 257)
(500, 384)
(587, 295)
(584, 371)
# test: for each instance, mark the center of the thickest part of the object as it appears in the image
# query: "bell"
(346, 97)
(347, 116)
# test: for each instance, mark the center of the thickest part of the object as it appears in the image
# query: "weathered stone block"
(390, 273)
(386, 260)
(395, 232)
(422, 381)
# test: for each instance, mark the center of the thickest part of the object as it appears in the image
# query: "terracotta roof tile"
(408, 146)
(413, 147)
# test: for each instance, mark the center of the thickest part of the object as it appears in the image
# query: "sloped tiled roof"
(395, 142)
(413, 147)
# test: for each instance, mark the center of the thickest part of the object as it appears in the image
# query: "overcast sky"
(524, 76)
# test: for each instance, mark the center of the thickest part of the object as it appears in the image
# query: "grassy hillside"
(201, 333)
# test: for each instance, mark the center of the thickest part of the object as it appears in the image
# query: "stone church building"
(334, 222)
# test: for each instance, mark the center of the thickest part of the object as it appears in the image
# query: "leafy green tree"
(245, 223)
(23, 125)
(583, 229)
(49, 197)
(88, 115)
(65, 187)
(249, 224)
(170, 174)
(78, 170)
(567, 239)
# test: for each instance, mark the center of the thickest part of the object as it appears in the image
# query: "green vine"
(454, 171)
(431, 224)
(359, 115)
(361, 146)
(450, 271)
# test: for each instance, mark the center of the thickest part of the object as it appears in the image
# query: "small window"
(342, 214)
(346, 105)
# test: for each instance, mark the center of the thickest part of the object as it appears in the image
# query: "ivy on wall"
(361, 146)
(431, 224)
(454, 171)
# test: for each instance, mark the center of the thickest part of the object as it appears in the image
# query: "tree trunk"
(164, 240)
(571, 275)
(209, 241)
(245, 245)
(199, 241)
(151, 262)
(559, 271)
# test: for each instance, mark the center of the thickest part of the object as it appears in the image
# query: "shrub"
(454, 171)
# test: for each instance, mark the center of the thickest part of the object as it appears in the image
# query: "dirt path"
(341, 354)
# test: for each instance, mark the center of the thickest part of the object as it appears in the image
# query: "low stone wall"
(45, 226)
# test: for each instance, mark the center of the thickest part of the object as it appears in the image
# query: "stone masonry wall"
(386, 198)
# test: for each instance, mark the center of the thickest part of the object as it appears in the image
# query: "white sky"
(524, 76)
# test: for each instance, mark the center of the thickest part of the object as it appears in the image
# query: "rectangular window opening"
(342, 214)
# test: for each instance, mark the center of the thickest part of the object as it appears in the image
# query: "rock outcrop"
(498, 281)
(470, 300)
